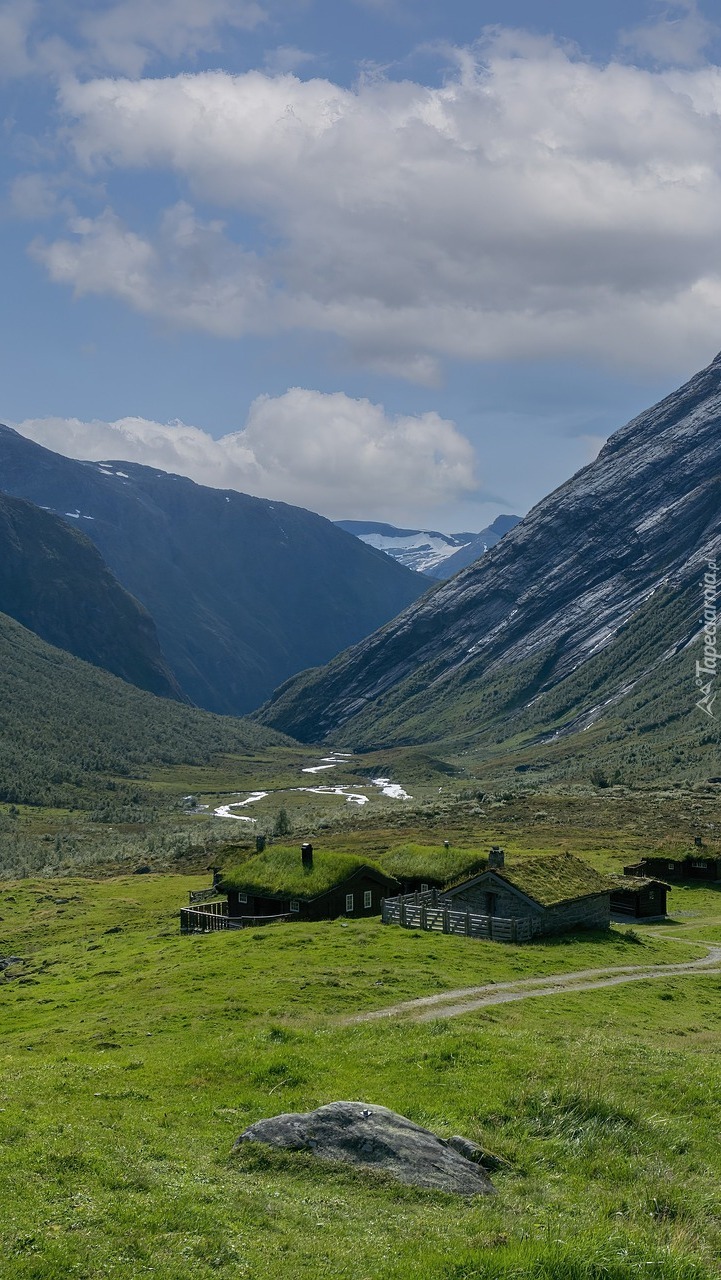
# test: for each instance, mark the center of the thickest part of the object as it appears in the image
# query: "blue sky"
(410, 262)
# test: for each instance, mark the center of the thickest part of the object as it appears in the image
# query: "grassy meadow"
(132, 1058)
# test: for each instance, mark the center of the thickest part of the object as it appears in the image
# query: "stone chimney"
(496, 857)
(306, 853)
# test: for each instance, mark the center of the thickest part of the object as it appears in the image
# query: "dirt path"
(449, 1004)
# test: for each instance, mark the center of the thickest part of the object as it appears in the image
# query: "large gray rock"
(376, 1138)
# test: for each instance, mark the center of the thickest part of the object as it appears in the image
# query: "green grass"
(418, 861)
(280, 871)
(551, 880)
(132, 1058)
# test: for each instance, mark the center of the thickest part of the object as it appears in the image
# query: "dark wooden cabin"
(642, 897)
(695, 866)
(305, 885)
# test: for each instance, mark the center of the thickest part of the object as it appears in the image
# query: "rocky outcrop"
(555, 592)
(375, 1138)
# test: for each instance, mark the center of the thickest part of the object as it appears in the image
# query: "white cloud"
(124, 36)
(536, 205)
(16, 19)
(677, 37)
(331, 453)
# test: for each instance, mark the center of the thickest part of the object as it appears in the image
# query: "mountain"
(54, 581)
(479, 544)
(579, 628)
(244, 592)
(417, 549)
(439, 555)
(69, 732)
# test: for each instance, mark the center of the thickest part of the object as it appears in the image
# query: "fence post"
(403, 912)
(424, 917)
(446, 920)
(468, 923)
(490, 928)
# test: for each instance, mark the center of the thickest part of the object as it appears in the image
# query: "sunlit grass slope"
(132, 1058)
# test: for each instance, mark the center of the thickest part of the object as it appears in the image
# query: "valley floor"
(132, 1058)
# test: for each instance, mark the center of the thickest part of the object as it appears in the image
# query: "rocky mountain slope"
(584, 616)
(55, 582)
(244, 592)
(440, 555)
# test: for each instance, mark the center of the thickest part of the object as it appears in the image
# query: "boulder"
(375, 1138)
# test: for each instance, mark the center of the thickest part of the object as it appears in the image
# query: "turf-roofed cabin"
(558, 892)
(421, 867)
(305, 884)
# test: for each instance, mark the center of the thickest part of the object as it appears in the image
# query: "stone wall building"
(557, 893)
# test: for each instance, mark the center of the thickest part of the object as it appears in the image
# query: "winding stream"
(393, 790)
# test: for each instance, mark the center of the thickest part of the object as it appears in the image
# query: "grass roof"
(558, 878)
(279, 872)
(637, 882)
(428, 862)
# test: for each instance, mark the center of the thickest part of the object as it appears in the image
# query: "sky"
(391, 260)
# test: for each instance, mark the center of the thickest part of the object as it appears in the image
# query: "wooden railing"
(213, 916)
(428, 911)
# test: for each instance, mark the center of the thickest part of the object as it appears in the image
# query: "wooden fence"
(429, 912)
(213, 916)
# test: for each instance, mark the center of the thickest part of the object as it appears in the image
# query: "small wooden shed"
(305, 885)
(557, 893)
(642, 897)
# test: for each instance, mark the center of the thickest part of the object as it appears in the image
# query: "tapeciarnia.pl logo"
(706, 671)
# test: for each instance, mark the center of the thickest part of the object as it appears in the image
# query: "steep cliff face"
(55, 582)
(623, 543)
(244, 592)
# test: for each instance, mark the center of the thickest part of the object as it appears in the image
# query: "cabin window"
(348, 902)
(671, 866)
(424, 888)
(700, 864)
(651, 895)
(242, 897)
(367, 898)
(295, 905)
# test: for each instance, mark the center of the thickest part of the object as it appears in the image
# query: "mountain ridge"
(243, 591)
(438, 555)
(54, 581)
(555, 591)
